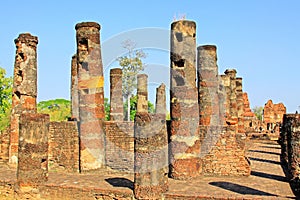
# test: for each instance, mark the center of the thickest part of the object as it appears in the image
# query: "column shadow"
(265, 160)
(120, 182)
(267, 152)
(269, 176)
(240, 189)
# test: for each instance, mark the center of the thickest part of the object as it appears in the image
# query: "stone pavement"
(267, 181)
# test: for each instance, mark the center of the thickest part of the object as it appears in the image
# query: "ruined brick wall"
(290, 154)
(150, 145)
(227, 155)
(251, 123)
(4, 145)
(33, 149)
(273, 115)
(24, 87)
(119, 145)
(63, 148)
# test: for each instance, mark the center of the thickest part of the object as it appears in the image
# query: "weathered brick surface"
(251, 123)
(150, 149)
(63, 148)
(208, 86)
(33, 149)
(273, 115)
(74, 88)
(4, 145)
(184, 101)
(24, 87)
(116, 97)
(151, 156)
(227, 156)
(142, 93)
(160, 104)
(119, 145)
(91, 96)
(240, 104)
(290, 153)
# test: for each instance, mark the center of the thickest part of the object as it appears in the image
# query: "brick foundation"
(63, 146)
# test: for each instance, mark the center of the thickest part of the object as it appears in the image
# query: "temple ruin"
(206, 135)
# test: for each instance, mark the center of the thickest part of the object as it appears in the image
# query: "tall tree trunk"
(128, 108)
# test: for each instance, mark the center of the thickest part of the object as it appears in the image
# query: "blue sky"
(259, 38)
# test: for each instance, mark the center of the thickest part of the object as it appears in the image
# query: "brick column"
(160, 105)
(240, 104)
(33, 149)
(142, 93)
(208, 85)
(185, 142)
(150, 154)
(293, 150)
(74, 88)
(232, 118)
(116, 97)
(91, 96)
(24, 87)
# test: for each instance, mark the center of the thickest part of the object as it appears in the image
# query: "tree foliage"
(133, 107)
(5, 99)
(58, 109)
(107, 109)
(131, 65)
(133, 103)
(258, 111)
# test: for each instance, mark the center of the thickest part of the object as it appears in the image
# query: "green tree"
(5, 99)
(58, 109)
(107, 109)
(131, 65)
(258, 111)
(133, 107)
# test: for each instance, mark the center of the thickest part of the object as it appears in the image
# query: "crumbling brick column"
(231, 93)
(292, 125)
(185, 142)
(208, 86)
(142, 93)
(240, 104)
(160, 104)
(74, 88)
(151, 154)
(283, 140)
(116, 98)
(33, 149)
(91, 96)
(24, 87)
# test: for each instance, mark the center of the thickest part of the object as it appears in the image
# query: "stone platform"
(267, 181)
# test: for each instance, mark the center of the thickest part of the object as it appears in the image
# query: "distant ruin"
(206, 135)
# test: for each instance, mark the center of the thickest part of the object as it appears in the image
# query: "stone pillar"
(116, 97)
(24, 87)
(74, 88)
(142, 93)
(33, 149)
(150, 153)
(208, 86)
(232, 119)
(240, 104)
(283, 140)
(160, 105)
(91, 96)
(293, 149)
(185, 142)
